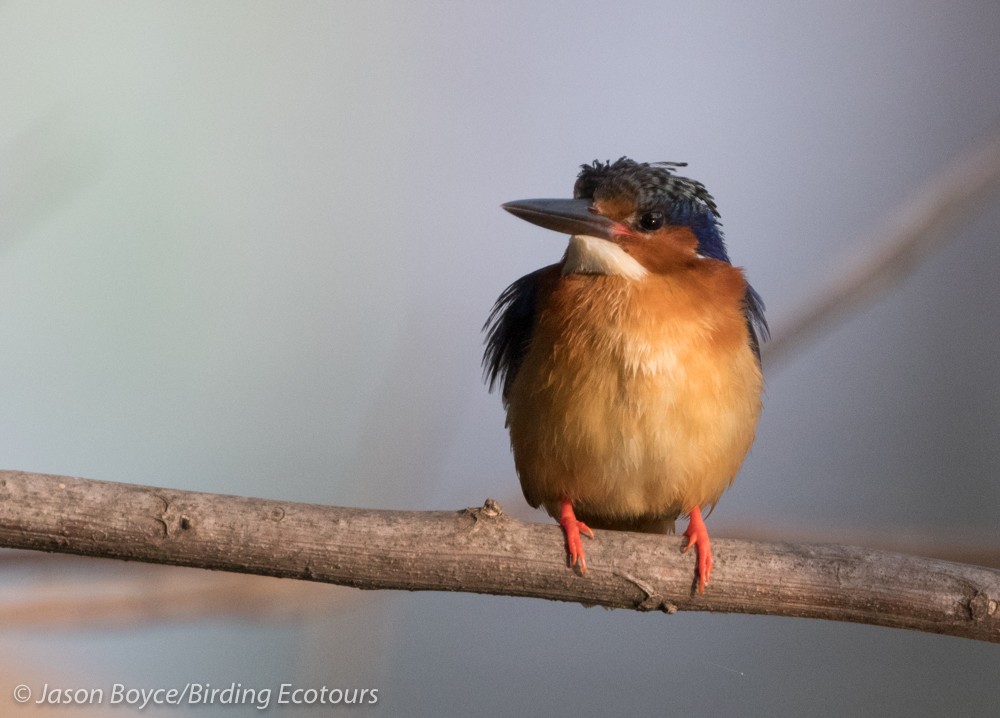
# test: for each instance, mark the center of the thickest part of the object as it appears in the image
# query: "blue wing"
(753, 310)
(508, 329)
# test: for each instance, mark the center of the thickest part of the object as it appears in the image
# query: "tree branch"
(929, 217)
(483, 551)
(55, 591)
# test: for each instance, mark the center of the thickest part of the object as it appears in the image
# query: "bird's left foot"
(573, 527)
(697, 536)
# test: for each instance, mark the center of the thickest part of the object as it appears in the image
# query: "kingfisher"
(630, 370)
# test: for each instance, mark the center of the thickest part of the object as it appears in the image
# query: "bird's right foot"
(573, 527)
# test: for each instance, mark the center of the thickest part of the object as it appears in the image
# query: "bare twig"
(484, 551)
(959, 546)
(930, 217)
(61, 591)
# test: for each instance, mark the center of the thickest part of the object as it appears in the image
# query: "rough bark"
(481, 550)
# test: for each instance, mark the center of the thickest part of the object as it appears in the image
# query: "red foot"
(697, 536)
(572, 527)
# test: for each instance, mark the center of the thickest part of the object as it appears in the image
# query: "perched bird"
(630, 370)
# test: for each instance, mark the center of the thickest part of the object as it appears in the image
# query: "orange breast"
(637, 400)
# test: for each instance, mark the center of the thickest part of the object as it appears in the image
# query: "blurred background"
(248, 248)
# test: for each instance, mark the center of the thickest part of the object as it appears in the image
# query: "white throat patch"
(593, 255)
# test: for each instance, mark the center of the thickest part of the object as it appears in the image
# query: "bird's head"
(630, 218)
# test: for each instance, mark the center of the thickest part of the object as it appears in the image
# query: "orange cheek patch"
(662, 251)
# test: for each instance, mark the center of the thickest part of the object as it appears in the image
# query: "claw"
(697, 536)
(573, 527)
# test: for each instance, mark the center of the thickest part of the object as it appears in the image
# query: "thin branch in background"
(45, 167)
(484, 551)
(61, 591)
(976, 548)
(929, 218)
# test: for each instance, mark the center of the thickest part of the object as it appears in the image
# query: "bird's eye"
(651, 221)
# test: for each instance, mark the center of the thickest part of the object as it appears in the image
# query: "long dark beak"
(570, 216)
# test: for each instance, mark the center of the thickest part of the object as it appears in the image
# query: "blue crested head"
(654, 186)
(684, 202)
(644, 197)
